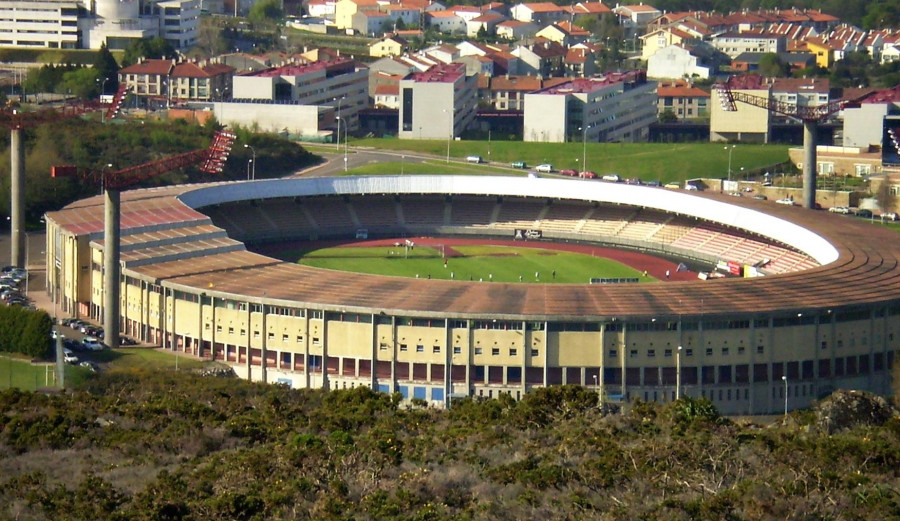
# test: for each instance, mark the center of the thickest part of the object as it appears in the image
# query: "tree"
(886, 200)
(157, 48)
(107, 67)
(668, 116)
(772, 66)
(83, 83)
(266, 11)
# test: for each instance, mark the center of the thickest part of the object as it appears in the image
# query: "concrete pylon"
(17, 198)
(810, 131)
(111, 288)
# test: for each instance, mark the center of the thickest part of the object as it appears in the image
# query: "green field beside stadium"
(476, 263)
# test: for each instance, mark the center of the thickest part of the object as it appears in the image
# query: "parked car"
(889, 216)
(735, 194)
(587, 174)
(568, 171)
(91, 343)
(69, 357)
(91, 366)
(761, 197)
(865, 214)
(612, 178)
(788, 201)
(839, 209)
(473, 159)
(127, 341)
(544, 167)
(636, 181)
(518, 164)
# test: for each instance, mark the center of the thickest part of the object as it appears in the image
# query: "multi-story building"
(147, 77)
(683, 100)
(62, 24)
(201, 81)
(614, 107)
(52, 24)
(540, 13)
(438, 103)
(733, 44)
(340, 83)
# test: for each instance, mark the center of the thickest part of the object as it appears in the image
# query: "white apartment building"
(340, 83)
(82, 25)
(615, 107)
(734, 44)
(438, 103)
(48, 23)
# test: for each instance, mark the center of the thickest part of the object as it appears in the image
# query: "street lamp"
(253, 150)
(678, 373)
(595, 382)
(346, 128)
(784, 378)
(730, 150)
(584, 147)
(249, 163)
(103, 178)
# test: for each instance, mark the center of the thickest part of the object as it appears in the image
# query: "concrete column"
(111, 276)
(17, 202)
(265, 341)
(810, 131)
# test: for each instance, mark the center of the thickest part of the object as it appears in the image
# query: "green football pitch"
(475, 263)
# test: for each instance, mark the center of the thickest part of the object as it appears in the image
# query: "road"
(356, 157)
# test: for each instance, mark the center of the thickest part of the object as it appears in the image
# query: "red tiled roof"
(193, 70)
(681, 91)
(387, 89)
(542, 7)
(158, 67)
(443, 73)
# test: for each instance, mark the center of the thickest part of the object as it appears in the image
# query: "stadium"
(814, 303)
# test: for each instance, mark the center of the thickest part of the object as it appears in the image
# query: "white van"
(473, 159)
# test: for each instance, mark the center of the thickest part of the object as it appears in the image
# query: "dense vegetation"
(25, 331)
(91, 146)
(164, 446)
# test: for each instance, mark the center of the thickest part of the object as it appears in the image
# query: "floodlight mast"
(810, 116)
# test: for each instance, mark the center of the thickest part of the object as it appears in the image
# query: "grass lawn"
(21, 373)
(649, 161)
(487, 263)
(434, 167)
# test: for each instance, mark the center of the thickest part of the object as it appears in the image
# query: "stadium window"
(255, 308)
(668, 353)
(613, 353)
(299, 339)
(477, 350)
(689, 352)
(760, 350)
(741, 350)
(513, 352)
(243, 332)
(708, 351)
(256, 334)
(230, 330)
(651, 353)
(382, 346)
(436, 349)
(271, 336)
(724, 351)
(824, 344)
(534, 352)
(420, 348)
(403, 347)
(457, 350)
(316, 341)
(633, 353)
(495, 351)
(285, 338)
(218, 328)
(206, 326)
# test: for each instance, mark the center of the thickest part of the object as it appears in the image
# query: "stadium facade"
(823, 314)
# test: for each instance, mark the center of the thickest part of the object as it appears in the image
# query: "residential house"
(734, 44)
(589, 10)
(408, 14)
(543, 58)
(446, 22)
(390, 45)
(371, 22)
(539, 13)
(438, 103)
(749, 61)
(613, 107)
(321, 9)
(564, 32)
(387, 71)
(683, 100)
(677, 61)
(662, 38)
(515, 30)
(635, 18)
(580, 62)
(345, 9)
(147, 77)
(828, 50)
(477, 65)
(802, 92)
(507, 93)
(444, 53)
(387, 97)
(486, 23)
(199, 81)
